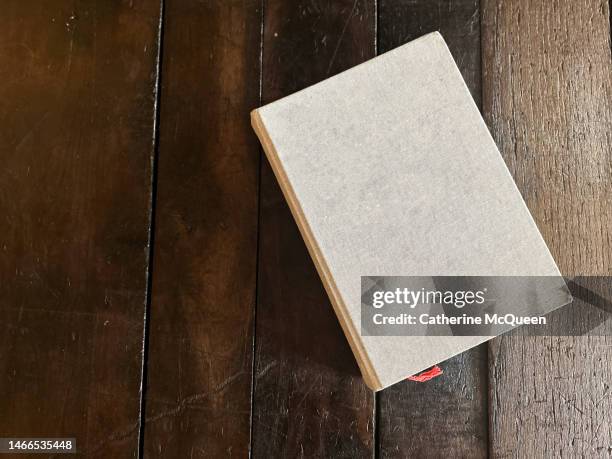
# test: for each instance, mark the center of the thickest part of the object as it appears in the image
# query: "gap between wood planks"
(151, 241)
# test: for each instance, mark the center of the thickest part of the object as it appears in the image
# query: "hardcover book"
(389, 170)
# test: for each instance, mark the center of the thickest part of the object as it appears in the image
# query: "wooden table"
(156, 298)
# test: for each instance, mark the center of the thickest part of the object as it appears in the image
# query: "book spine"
(367, 370)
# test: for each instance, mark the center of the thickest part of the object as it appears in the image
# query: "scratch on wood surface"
(346, 23)
(191, 400)
(265, 369)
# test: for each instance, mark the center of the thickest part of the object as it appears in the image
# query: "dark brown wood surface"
(309, 399)
(103, 171)
(446, 416)
(547, 79)
(205, 246)
(77, 94)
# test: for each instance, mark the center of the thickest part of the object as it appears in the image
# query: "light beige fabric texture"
(390, 170)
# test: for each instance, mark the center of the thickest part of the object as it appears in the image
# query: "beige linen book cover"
(389, 170)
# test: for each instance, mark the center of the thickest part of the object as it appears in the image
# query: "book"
(389, 170)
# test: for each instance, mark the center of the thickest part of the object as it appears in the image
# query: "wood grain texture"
(448, 415)
(77, 99)
(547, 79)
(309, 399)
(203, 293)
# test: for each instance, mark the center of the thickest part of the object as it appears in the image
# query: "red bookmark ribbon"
(426, 375)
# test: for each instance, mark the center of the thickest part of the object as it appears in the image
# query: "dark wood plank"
(77, 91)
(446, 416)
(309, 400)
(547, 80)
(203, 295)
